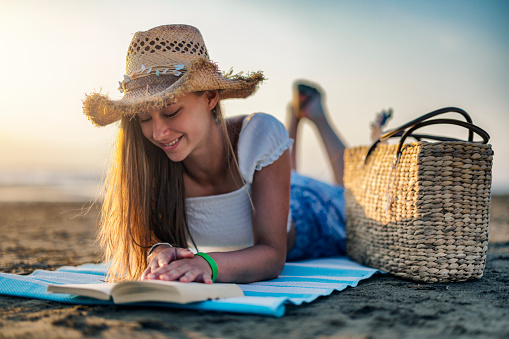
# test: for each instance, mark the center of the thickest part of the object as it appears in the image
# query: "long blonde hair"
(144, 201)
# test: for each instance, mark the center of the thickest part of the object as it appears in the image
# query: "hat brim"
(201, 75)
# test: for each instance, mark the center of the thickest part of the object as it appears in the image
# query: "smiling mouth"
(171, 143)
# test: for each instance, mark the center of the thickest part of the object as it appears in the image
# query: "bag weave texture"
(425, 219)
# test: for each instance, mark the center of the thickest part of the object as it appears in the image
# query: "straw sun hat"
(162, 64)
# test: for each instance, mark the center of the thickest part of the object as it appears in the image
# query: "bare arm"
(271, 200)
(266, 258)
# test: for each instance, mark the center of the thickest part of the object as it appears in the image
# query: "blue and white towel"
(300, 281)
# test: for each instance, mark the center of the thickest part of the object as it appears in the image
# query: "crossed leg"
(308, 104)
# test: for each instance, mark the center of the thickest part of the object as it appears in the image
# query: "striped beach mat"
(300, 282)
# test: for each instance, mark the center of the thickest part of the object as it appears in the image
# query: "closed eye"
(173, 114)
(144, 120)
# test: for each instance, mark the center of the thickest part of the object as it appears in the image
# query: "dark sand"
(50, 235)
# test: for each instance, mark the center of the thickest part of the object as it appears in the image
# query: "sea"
(49, 186)
(30, 185)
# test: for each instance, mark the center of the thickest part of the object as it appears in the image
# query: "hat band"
(175, 69)
(149, 84)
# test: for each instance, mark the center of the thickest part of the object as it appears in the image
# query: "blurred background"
(412, 56)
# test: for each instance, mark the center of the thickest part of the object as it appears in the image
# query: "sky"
(411, 56)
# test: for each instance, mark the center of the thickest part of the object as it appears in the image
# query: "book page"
(172, 291)
(98, 291)
(150, 291)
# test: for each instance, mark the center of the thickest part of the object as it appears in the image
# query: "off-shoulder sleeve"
(263, 139)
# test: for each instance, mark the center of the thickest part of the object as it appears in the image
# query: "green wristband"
(211, 262)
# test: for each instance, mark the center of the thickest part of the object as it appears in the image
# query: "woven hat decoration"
(163, 64)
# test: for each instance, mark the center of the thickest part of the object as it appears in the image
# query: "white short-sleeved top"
(223, 222)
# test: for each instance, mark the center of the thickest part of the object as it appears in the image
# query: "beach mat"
(300, 282)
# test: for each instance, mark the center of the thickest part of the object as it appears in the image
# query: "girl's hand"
(184, 270)
(162, 256)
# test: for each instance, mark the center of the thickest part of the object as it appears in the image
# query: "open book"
(150, 291)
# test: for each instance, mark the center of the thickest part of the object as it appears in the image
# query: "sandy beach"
(49, 235)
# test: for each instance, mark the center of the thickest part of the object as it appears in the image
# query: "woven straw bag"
(421, 210)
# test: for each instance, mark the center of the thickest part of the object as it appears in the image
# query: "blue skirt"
(318, 212)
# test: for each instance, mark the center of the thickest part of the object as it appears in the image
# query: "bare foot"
(380, 121)
(309, 101)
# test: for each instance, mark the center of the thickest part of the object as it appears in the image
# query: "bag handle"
(427, 116)
(471, 127)
(401, 130)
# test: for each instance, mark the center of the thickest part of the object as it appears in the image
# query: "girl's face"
(183, 128)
